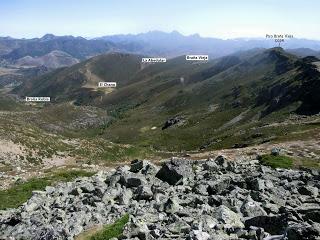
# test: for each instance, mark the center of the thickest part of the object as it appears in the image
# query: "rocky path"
(305, 149)
(182, 199)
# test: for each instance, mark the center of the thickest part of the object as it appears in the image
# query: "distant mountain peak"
(278, 49)
(48, 36)
(196, 35)
(277, 52)
(175, 32)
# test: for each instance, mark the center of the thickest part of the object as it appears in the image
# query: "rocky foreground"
(182, 199)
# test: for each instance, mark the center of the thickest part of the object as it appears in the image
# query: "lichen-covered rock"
(184, 199)
(229, 218)
(175, 171)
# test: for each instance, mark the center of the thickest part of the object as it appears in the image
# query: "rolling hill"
(52, 60)
(210, 105)
(226, 102)
(79, 82)
(304, 52)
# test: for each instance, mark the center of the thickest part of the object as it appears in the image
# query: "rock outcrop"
(182, 199)
(173, 121)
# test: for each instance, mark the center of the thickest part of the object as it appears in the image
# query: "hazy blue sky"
(223, 18)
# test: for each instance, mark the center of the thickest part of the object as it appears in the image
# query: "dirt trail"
(93, 81)
(307, 149)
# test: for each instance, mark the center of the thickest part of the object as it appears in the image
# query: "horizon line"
(146, 32)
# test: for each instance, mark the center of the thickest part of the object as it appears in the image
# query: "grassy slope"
(107, 232)
(18, 194)
(277, 161)
(153, 95)
(111, 231)
(64, 130)
(237, 86)
(282, 161)
(7, 104)
(161, 95)
(69, 83)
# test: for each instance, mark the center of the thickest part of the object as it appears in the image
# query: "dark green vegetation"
(96, 150)
(245, 99)
(63, 130)
(282, 161)
(224, 103)
(21, 192)
(234, 101)
(111, 231)
(276, 161)
(79, 83)
(7, 104)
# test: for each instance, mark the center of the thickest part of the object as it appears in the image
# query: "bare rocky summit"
(52, 60)
(182, 199)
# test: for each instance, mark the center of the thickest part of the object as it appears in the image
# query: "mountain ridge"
(54, 59)
(153, 43)
(247, 87)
